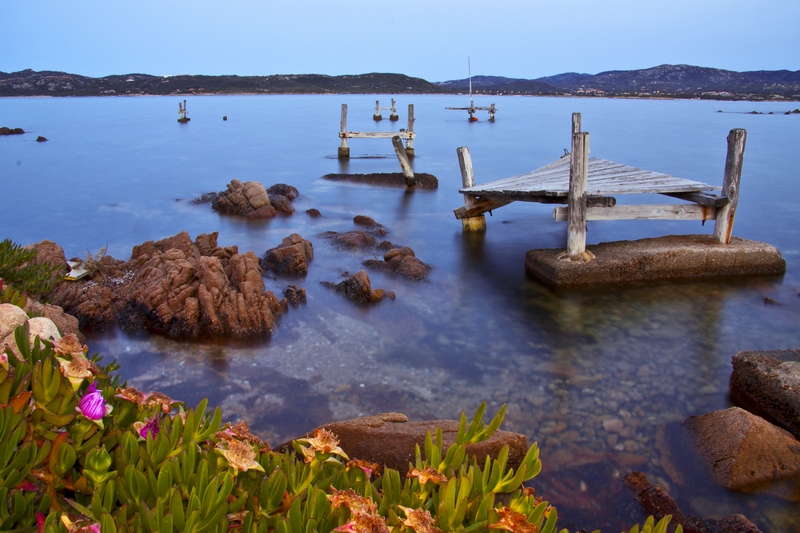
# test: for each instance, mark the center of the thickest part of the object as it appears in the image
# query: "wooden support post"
(576, 206)
(344, 150)
(576, 123)
(405, 164)
(410, 141)
(730, 185)
(492, 111)
(393, 116)
(377, 116)
(476, 223)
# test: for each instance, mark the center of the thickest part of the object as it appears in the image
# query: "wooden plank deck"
(605, 178)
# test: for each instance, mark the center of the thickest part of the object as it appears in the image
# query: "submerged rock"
(359, 288)
(389, 439)
(351, 239)
(401, 261)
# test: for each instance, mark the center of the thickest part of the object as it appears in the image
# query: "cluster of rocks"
(755, 448)
(252, 200)
(11, 131)
(358, 287)
(176, 287)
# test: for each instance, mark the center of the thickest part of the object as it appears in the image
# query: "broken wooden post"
(377, 116)
(576, 206)
(576, 123)
(410, 130)
(476, 223)
(393, 116)
(492, 111)
(344, 150)
(730, 185)
(405, 164)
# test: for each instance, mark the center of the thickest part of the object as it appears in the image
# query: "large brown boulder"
(389, 440)
(768, 384)
(180, 288)
(250, 199)
(358, 288)
(746, 453)
(290, 257)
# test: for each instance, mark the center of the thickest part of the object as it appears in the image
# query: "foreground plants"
(81, 452)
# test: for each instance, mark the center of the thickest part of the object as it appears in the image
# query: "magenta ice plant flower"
(93, 406)
(148, 429)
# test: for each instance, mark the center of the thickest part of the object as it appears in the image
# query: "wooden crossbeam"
(643, 211)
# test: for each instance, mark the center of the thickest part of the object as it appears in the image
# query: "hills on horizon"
(670, 81)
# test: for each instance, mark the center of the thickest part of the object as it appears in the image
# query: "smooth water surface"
(120, 171)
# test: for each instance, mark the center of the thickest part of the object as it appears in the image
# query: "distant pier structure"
(378, 117)
(408, 134)
(182, 117)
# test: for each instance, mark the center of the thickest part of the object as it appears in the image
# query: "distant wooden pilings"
(407, 134)
(378, 117)
(182, 117)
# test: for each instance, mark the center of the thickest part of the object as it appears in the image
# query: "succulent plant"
(81, 452)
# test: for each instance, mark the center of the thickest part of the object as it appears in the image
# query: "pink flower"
(92, 405)
(149, 429)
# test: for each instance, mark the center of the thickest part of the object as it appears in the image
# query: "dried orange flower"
(430, 474)
(364, 517)
(130, 394)
(77, 368)
(161, 400)
(511, 520)
(323, 441)
(240, 455)
(366, 466)
(241, 431)
(420, 520)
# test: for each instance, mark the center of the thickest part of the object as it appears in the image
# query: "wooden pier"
(407, 134)
(587, 186)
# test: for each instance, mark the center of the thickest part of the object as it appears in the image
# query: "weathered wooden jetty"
(588, 187)
(182, 113)
(408, 134)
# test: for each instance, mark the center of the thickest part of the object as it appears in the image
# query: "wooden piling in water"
(405, 164)
(730, 185)
(410, 130)
(344, 150)
(576, 206)
(478, 222)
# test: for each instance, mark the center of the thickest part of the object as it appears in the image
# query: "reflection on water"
(590, 375)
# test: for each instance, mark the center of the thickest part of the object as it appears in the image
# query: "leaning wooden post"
(576, 201)
(576, 123)
(476, 223)
(405, 164)
(410, 141)
(730, 185)
(344, 150)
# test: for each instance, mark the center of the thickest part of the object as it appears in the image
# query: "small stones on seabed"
(295, 295)
(770, 301)
(583, 257)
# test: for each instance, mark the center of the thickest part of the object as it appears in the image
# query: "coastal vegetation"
(663, 81)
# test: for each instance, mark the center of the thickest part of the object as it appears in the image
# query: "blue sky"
(430, 39)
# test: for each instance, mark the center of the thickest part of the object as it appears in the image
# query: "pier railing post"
(410, 141)
(344, 150)
(476, 223)
(405, 164)
(730, 185)
(576, 206)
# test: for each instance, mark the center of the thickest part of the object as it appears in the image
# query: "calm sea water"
(119, 171)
